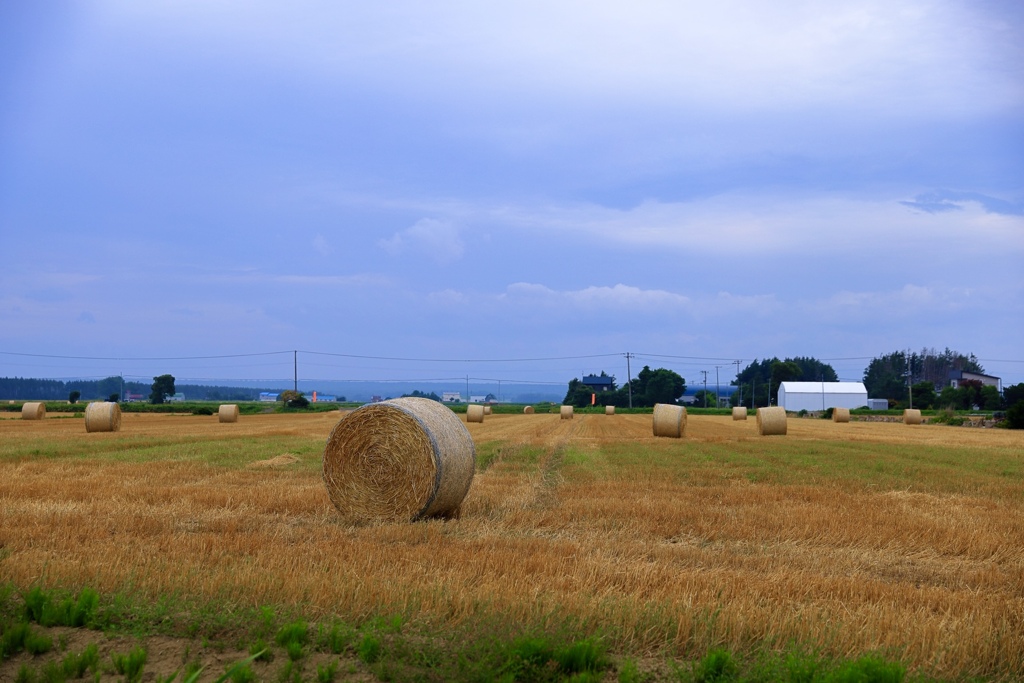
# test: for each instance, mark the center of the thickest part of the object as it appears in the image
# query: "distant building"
(797, 396)
(375, 399)
(878, 404)
(451, 397)
(129, 397)
(957, 376)
(268, 396)
(598, 383)
(176, 398)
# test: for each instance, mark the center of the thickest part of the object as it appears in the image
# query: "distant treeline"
(26, 389)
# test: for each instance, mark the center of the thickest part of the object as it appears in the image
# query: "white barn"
(797, 396)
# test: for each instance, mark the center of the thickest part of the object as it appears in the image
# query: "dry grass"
(876, 538)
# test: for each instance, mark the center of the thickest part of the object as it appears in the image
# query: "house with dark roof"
(598, 383)
(957, 376)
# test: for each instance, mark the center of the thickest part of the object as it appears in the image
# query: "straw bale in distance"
(103, 416)
(487, 410)
(565, 412)
(609, 410)
(669, 420)
(840, 414)
(35, 410)
(912, 416)
(771, 421)
(475, 413)
(739, 413)
(399, 460)
(228, 413)
(528, 410)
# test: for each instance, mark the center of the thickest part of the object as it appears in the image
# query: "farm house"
(797, 396)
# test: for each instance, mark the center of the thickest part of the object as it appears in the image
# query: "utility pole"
(718, 388)
(629, 379)
(295, 366)
(738, 382)
(705, 372)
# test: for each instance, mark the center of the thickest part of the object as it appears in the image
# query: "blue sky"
(463, 183)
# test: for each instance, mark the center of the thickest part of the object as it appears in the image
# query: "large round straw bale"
(399, 460)
(103, 416)
(475, 413)
(565, 412)
(228, 413)
(771, 421)
(528, 410)
(609, 410)
(912, 416)
(36, 410)
(487, 410)
(669, 420)
(739, 413)
(840, 414)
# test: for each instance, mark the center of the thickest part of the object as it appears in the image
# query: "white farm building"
(797, 396)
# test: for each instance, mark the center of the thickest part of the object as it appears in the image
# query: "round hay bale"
(840, 414)
(399, 460)
(487, 410)
(36, 410)
(528, 410)
(609, 410)
(475, 413)
(771, 421)
(103, 416)
(669, 420)
(565, 412)
(228, 413)
(739, 413)
(912, 416)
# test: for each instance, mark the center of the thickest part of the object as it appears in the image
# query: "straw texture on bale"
(475, 413)
(528, 410)
(771, 421)
(228, 413)
(609, 410)
(35, 410)
(565, 412)
(912, 416)
(399, 460)
(840, 414)
(103, 416)
(669, 420)
(739, 413)
(487, 410)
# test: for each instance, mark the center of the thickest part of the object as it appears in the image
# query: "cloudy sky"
(514, 190)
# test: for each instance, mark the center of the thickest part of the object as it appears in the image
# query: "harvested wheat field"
(901, 541)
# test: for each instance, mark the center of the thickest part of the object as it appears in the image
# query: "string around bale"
(398, 461)
(669, 420)
(912, 416)
(103, 416)
(228, 413)
(771, 421)
(34, 410)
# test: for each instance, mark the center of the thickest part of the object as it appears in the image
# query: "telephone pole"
(705, 373)
(629, 379)
(738, 382)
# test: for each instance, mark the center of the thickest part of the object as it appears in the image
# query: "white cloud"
(438, 240)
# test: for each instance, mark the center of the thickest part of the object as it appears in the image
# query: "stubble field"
(838, 539)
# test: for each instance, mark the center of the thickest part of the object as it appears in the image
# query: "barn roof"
(824, 387)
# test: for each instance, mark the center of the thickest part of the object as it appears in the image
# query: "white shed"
(797, 396)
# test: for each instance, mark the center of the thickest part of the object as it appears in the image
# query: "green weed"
(130, 665)
(369, 648)
(325, 673)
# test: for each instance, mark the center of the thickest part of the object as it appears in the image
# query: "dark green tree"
(74, 396)
(990, 398)
(416, 393)
(163, 386)
(702, 398)
(924, 395)
(1013, 394)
